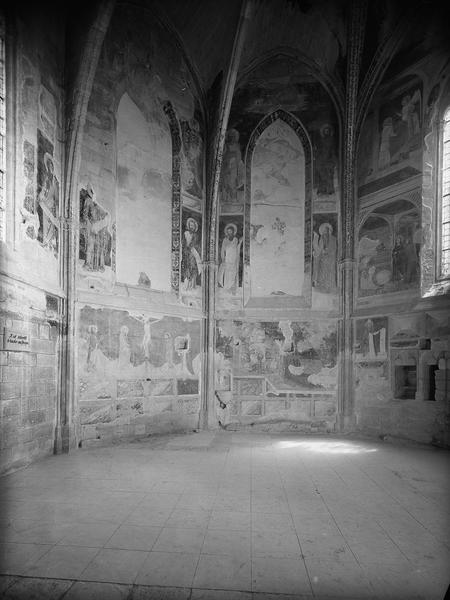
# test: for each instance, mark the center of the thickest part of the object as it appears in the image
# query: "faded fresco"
(230, 271)
(144, 191)
(95, 245)
(47, 113)
(114, 345)
(371, 339)
(40, 210)
(47, 207)
(389, 249)
(29, 218)
(191, 252)
(288, 355)
(232, 178)
(277, 213)
(326, 161)
(143, 149)
(391, 140)
(324, 278)
(283, 83)
(192, 158)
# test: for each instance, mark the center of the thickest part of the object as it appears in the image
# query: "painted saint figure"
(228, 273)
(92, 344)
(48, 207)
(326, 161)
(384, 154)
(324, 252)
(190, 256)
(124, 348)
(232, 178)
(94, 227)
(409, 113)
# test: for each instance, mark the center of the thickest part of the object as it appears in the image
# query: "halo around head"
(191, 220)
(324, 127)
(324, 227)
(233, 227)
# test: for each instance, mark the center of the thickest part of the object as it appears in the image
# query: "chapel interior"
(225, 299)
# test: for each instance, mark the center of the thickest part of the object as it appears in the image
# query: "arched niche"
(277, 234)
(143, 196)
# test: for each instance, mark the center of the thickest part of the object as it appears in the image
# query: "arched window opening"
(143, 194)
(445, 200)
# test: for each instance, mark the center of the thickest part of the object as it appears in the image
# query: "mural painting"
(399, 127)
(277, 213)
(191, 251)
(391, 142)
(229, 276)
(95, 234)
(371, 339)
(283, 83)
(144, 194)
(192, 162)
(47, 113)
(326, 161)
(30, 221)
(389, 249)
(325, 253)
(288, 355)
(115, 345)
(231, 187)
(47, 209)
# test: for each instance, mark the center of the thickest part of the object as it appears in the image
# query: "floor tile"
(280, 575)
(278, 544)
(338, 578)
(133, 537)
(232, 520)
(37, 589)
(176, 539)
(223, 573)
(227, 542)
(272, 522)
(90, 590)
(168, 569)
(15, 559)
(220, 595)
(115, 565)
(88, 534)
(146, 592)
(189, 519)
(65, 562)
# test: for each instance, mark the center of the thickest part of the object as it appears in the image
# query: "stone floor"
(229, 516)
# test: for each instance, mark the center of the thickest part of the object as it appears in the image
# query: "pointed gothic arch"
(300, 293)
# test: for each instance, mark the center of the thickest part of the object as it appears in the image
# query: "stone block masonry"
(28, 392)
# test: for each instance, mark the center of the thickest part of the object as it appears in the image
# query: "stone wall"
(140, 243)
(30, 255)
(29, 375)
(401, 324)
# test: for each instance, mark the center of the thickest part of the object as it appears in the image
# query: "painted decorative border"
(176, 195)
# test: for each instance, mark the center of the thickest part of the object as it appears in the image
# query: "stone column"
(214, 161)
(65, 434)
(346, 414)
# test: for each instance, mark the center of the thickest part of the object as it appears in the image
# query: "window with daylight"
(2, 130)
(445, 199)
